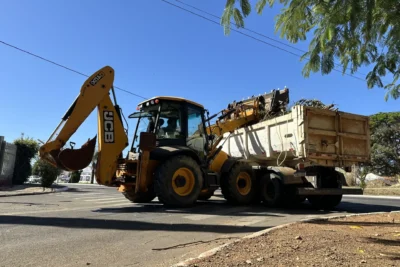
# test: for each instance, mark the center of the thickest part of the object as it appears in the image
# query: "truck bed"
(311, 135)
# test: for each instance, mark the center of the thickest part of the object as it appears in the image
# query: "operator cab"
(174, 121)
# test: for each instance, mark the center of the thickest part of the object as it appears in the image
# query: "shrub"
(75, 176)
(27, 149)
(46, 171)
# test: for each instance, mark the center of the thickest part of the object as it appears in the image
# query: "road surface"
(97, 226)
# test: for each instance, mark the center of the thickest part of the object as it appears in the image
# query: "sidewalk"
(29, 189)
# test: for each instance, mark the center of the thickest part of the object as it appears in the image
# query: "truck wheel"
(271, 190)
(239, 185)
(141, 197)
(325, 202)
(178, 181)
(206, 195)
(331, 179)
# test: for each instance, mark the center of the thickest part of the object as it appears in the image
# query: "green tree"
(358, 32)
(27, 149)
(75, 176)
(385, 143)
(46, 171)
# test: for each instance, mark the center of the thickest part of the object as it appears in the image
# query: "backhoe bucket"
(75, 159)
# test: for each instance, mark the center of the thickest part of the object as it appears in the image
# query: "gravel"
(368, 240)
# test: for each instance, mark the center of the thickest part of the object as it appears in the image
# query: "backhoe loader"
(176, 154)
(177, 158)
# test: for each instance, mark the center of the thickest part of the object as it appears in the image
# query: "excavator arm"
(112, 138)
(244, 113)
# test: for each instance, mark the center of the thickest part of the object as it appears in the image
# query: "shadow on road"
(86, 223)
(222, 208)
(213, 207)
(354, 207)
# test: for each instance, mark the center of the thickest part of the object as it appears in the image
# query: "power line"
(260, 34)
(247, 35)
(247, 29)
(62, 66)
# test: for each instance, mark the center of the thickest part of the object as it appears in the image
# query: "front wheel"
(178, 181)
(142, 197)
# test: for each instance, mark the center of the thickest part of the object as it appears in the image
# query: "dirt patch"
(371, 240)
(387, 191)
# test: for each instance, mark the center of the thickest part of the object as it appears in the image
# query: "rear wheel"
(325, 202)
(145, 197)
(239, 185)
(329, 178)
(271, 189)
(178, 181)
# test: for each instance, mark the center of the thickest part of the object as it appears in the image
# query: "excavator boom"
(246, 112)
(112, 138)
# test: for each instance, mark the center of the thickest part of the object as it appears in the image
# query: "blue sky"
(155, 49)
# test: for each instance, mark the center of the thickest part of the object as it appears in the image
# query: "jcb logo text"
(108, 127)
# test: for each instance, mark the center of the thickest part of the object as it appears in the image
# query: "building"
(85, 176)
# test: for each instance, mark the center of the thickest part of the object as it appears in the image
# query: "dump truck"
(254, 150)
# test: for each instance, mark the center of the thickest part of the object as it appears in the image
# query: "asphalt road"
(96, 226)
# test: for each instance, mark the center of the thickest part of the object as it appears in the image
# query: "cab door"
(196, 136)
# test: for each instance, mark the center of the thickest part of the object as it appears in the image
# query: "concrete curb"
(211, 252)
(372, 196)
(53, 190)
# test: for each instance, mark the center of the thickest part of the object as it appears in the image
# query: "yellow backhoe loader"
(176, 154)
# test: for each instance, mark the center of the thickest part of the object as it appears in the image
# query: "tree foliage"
(358, 32)
(46, 171)
(27, 148)
(385, 143)
(75, 176)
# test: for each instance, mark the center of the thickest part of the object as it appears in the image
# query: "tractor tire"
(178, 182)
(146, 197)
(271, 187)
(239, 185)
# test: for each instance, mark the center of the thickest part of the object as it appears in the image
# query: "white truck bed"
(311, 135)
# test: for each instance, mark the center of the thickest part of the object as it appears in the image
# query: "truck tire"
(178, 181)
(331, 179)
(141, 197)
(271, 190)
(325, 202)
(239, 185)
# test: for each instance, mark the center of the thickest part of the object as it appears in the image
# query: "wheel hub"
(243, 183)
(180, 181)
(183, 181)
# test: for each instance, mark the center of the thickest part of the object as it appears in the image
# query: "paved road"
(96, 226)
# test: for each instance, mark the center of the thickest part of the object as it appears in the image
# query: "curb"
(372, 196)
(53, 190)
(211, 252)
